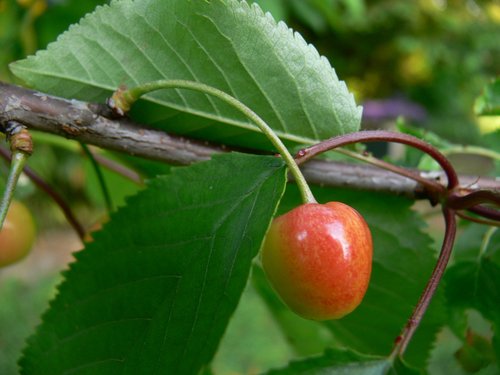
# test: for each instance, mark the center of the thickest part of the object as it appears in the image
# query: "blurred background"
(425, 60)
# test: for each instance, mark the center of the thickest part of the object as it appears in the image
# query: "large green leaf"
(223, 43)
(403, 261)
(344, 362)
(154, 292)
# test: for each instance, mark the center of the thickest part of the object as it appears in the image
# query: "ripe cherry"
(318, 257)
(17, 234)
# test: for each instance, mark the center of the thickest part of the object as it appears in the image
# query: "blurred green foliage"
(435, 53)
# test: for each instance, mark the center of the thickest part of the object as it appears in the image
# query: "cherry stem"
(21, 146)
(404, 338)
(381, 136)
(16, 167)
(122, 100)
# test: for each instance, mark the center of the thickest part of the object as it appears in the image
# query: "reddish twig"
(487, 212)
(381, 136)
(478, 220)
(404, 338)
(463, 202)
(58, 199)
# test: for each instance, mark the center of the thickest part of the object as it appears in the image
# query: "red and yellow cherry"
(318, 258)
(17, 234)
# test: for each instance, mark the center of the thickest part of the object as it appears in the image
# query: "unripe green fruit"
(318, 258)
(17, 234)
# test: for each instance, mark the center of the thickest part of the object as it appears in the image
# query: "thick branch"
(88, 123)
(83, 122)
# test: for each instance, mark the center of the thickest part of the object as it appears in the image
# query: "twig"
(40, 183)
(404, 338)
(118, 168)
(382, 136)
(100, 177)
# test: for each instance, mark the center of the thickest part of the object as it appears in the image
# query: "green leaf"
(488, 104)
(403, 261)
(496, 340)
(306, 337)
(226, 44)
(344, 362)
(474, 279)
(154, 292)
(252, 341)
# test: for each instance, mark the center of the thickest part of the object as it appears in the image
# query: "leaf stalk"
(122, 100)
(16, 167)
(21, 145)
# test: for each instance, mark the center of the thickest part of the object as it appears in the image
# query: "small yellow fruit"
(17, 234)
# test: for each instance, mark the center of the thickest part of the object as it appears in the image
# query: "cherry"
(17, 234)
(318, 258)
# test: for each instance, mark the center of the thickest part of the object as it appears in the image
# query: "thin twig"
(487, 212)
(404, 338)
(478, 220)
(462, 202)
(40, 183)
(382, 136)
(118, 168)
(100, 177)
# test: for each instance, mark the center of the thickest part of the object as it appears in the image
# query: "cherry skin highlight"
(318, 258)
(17, 234)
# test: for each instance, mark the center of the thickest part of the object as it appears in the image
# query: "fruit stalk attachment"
(21, 146)
(122, 100)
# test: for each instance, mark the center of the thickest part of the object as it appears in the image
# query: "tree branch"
(93, 124)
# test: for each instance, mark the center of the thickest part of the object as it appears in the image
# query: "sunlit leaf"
(226, 44)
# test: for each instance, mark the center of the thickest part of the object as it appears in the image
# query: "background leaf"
(473, 281)
(154, 292)
(488, 104)
(226, 44)
(474, 278)
(335, 361)
(306, 337)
